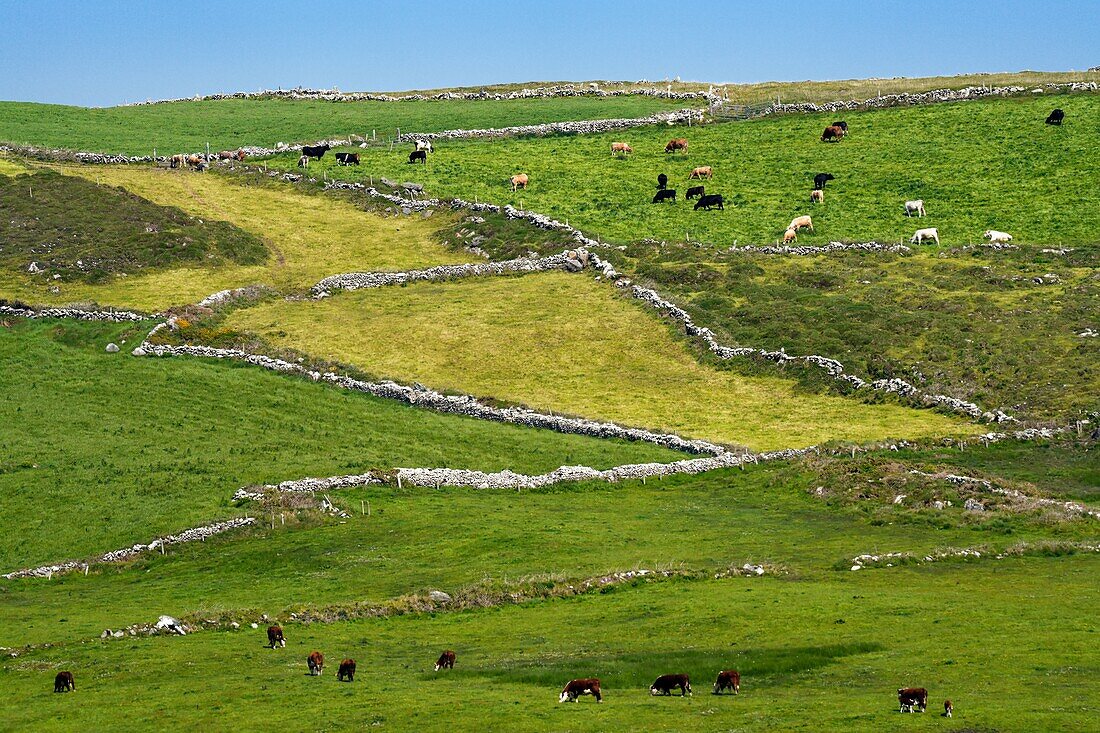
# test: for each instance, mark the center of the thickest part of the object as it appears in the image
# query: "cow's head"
(565, 696)
(653, 690)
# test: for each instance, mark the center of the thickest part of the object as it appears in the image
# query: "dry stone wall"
(75, 313)
(584, 127)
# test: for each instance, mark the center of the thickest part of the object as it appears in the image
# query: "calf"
(908, 697)
(519, 181)
(790, 236)
(668, 194)
(914, 207)
(1056, 117)
(709, 200)
(315, 151)
(347, 669)
(316, 663)
(347, 158)
(832, 133)
(421, 155)
(666, 683)
(923, 234)
(728, 679)
(948, 708)
(694, 191)
(801, 221)
(303, 162)
(1000, 237)
(275, 636)
(817, 196)
(446, 661)
(662, 182)
(821, 179)
(63, 682)
(575, 688)
(703, 171)
(679, 143)
(621, 148)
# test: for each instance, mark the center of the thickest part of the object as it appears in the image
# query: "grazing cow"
(694, 191)
(908, 697)
(666, 683)
(621, 148)
(275, 636)
(241, 155)
(425, 145)
(668, 194)
(316, 662)
(575, 688)
(842, 125)
(948, 708)
(728, 679)
(821, 179)
(177, 161)
(923, 234)
(1000, 237)
(833, 133)
(347, 158)
(315, 151)
(347, 669)
(1056, 117)
(63, 682)
(801, 221)
(662, 182)
(446, 661)
(709, 200)
(679, 143)
(914, 207)
(817, 196)
(790, 236)
(303, 162)
(421, 155)
(227, 155)
(703, 171)
(519, 181)
(195, 160)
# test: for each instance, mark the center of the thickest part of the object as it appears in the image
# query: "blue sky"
(102, 52)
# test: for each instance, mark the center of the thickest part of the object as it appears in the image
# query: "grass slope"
(565, 343)
(103, 450)
(189, 126)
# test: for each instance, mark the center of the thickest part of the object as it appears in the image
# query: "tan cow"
(519, 181)
(621, 148)
(801, 221)
(703, 171)
(817, 196)
(790, 236)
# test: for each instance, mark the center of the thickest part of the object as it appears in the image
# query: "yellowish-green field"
(310, 237)
(565, 343)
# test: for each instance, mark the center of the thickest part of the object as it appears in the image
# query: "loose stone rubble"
(1018, 498)
(892, 559)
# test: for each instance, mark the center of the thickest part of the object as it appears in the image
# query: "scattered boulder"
(973, 505)
(439, 596)
(112, 348)
(138, 351)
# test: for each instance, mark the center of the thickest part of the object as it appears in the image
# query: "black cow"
(708, 200)
(666, 683)
(63, 682)
(662, 182)
(668, 194)
(347, 158)
(693, 192)
(315, 151)
(421, 155)
(842, 125)
(1056, 117)
(820, 180)
(347, 670)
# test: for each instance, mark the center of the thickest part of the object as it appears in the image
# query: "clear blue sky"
(103, 52)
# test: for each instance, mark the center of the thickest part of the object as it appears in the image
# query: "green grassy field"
(566, 343)
(189, 126)
(977, 166)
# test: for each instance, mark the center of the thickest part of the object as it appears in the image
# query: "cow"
(446, 661)
(347, 669)
(842, 125)
(669, 194)
(316, 663)
(275, 637)
(790, 236)
(801, 221)
(303, 162)
(666, 683)
(575, 688)
(999, 237)
(63, 682)
(227, 155)
(703, 171)
(425, 145)
(195, 160)
(347, 158)
(421, 155)
(662, 182)
(728, 679)
(908, 697)
(817, 196)
(832, 133)
(177, 161)
(694, 191)
(1056, 117)
(315, 151)
(679, 143)
(821, 179)
(922, 234)
(914, 207)
(948, 708)
(241, 155)
(519, 181)
(709, 200)
(621, 148)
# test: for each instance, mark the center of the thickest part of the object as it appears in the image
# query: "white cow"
(916, 207)
(923, 234)
(999, 237)
(424, 145)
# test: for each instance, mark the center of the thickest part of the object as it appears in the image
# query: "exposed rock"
(439, 596)
(112, 348)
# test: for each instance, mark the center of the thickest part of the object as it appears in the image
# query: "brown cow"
(241, 155)
(195, 160)
(446, 661)
(226, 155)
(832, 132)
(63, 682)
(316, 662)
(347, 669)
(519, 181)
(948, 708)
(666, 683)
(679, 143)
(912, 696)
(575, 688)
(177, 161)
(275, 636)
(703, 171)
(621, 148)
(728, 679)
